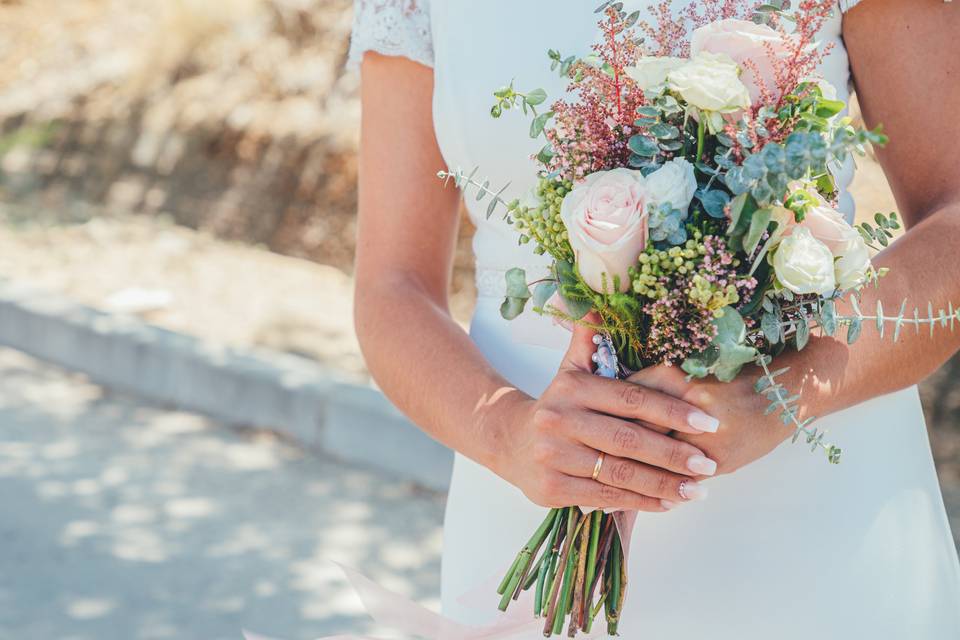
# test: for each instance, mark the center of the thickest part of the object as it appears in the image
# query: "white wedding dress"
(787, 548)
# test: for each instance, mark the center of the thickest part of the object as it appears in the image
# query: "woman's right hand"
(552, 444)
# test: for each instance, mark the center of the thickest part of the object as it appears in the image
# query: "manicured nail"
(610, 510)
(701, 465)
(703, 422)
(666, 504)
(693, 491)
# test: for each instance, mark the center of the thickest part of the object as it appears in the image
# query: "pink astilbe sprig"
(668, 33)
(803, 56)
(590, 134)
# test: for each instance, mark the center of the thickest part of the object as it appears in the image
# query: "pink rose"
(606, 220)
(830, 227)
(743, 40)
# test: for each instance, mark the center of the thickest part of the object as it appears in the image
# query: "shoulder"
(392, 28)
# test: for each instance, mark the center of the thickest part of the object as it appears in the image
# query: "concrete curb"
(251, 387)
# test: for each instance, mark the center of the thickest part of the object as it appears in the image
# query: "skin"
(548, 446)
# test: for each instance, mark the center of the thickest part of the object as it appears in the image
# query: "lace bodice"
(393, 28)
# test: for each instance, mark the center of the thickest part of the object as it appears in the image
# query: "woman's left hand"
(745, 433)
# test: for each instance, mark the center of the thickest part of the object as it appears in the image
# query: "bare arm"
(905, 56)
(433, 372)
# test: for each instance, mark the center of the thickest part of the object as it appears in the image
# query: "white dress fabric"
(789, 547)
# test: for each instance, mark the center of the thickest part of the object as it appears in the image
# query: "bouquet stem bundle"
(575, 563)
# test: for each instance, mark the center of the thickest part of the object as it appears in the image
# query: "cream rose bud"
(804, 265)
(852, 265)
(673, 183)
(710, 82)
(743, 40)
(606, 219)
(651, 71)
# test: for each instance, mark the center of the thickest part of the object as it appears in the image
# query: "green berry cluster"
(659, 271)
(656, 263)
(542, 224)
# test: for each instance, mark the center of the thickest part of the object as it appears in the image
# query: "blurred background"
(189, 167)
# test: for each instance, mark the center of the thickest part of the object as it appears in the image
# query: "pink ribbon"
(401, 614)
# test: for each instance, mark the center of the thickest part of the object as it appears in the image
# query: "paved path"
(125, 522)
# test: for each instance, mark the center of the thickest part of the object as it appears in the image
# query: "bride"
(740, 537)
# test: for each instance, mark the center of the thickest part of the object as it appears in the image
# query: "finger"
(590, 493)
(632, 476)
(627, 400)
(580, 352)
(627, 440)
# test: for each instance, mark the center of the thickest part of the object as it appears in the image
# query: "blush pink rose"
(743, 40)
(606, 220)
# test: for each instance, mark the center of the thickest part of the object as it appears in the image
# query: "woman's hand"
(551, 445)
(745, 433)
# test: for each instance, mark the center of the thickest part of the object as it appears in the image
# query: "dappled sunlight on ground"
(124, 521)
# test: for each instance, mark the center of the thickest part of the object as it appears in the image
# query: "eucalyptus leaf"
(828, 317)
(715, 202)
(643, 146)
(803, 332)
(758, 225)
(730, 342)
(543, 292)
(535, 97)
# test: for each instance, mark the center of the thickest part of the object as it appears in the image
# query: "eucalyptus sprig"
(782, 402)
(882, 233)
(463, 180)
(509, 98)
(945, 319)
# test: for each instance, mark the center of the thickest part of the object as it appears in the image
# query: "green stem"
(549, 557)
(525, 557)
(565, 596)
(555, 599)
(616, 577)
(701, 130)
(595, 526)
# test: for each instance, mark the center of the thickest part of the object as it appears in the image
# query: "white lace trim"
(392, 28)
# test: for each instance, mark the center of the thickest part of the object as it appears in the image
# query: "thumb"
(579, 354)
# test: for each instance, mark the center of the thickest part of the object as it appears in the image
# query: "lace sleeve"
(393, 28)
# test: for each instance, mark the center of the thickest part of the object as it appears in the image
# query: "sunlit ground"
(131, 523)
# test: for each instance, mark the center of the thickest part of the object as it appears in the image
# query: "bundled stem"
(579, 553)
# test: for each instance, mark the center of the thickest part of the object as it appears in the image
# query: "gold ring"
(597, 467)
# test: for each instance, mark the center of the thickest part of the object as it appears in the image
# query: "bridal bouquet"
(686, 194)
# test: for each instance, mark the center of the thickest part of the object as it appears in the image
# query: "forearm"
(432, 371)
(924, 267)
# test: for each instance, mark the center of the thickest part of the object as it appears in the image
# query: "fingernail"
(693, 491)
(703, 422)
(667, 504)
(701, 465)
(610, 510)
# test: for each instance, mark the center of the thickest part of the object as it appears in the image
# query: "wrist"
(498, 423)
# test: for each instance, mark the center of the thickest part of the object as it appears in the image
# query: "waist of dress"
(491, 281)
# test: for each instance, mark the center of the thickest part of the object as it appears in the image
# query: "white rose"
(711, 82)
(804, 265)
(673, 183)
(651, 71)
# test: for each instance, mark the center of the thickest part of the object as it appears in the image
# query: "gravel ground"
(124, 521)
